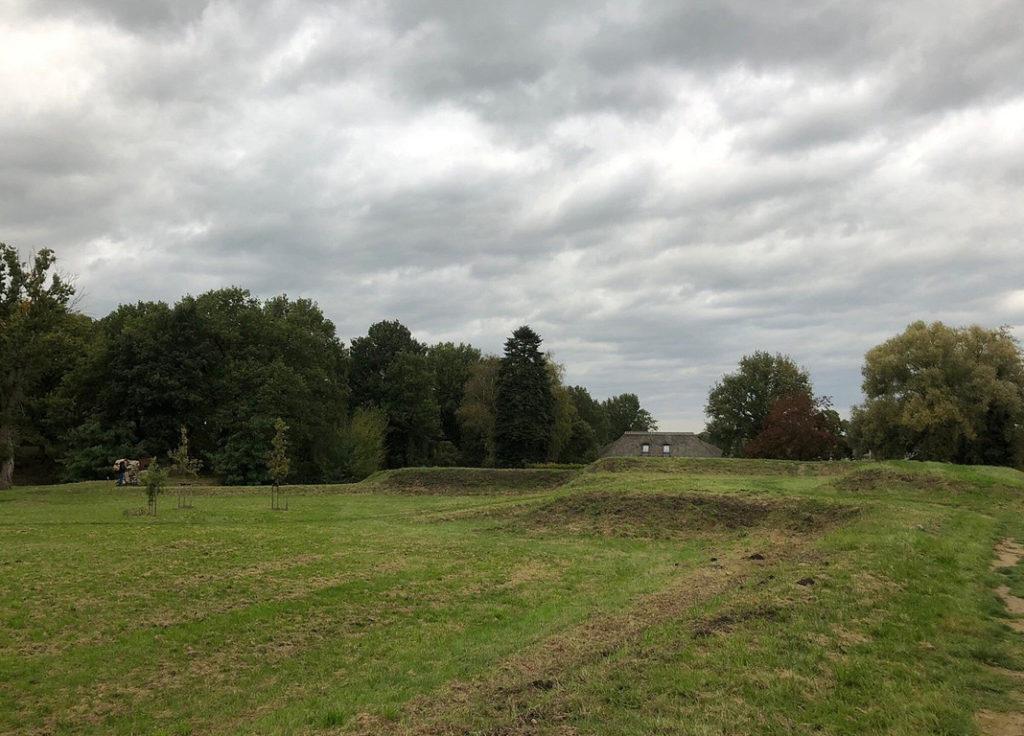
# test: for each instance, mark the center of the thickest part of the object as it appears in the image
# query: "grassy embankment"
(634, 597)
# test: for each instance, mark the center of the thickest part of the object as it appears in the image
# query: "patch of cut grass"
(650, 597)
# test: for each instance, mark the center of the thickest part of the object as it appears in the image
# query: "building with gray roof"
(660, 444)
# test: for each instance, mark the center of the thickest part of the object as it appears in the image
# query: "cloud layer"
(658, 188)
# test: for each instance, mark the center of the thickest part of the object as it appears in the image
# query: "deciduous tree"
(477, 413)
(626, 415)
(373, 354)
(154, 480)
(943, 393)
(224, 364)
(798, 428)
(411, 410)
(363, 443)
(33, 303)
(738, 404)
(451, 365)
(593, 413)
(186, 466)
(278, 464)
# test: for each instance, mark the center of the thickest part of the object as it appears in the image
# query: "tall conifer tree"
(524, 410)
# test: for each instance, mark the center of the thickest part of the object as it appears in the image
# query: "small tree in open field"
(185, 466)
(278, 464)
(154, 480)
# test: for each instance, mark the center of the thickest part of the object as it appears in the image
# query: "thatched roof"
(680, 444)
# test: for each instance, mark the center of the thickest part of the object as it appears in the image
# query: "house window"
(645, 449)
(666, 449)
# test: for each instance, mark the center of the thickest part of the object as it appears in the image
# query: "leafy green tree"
(445, 455)
(738, 404)
(278, 464)
(411, 410)
(186, 466)
(362, 441)
(390, 371)
(47, 413)
(476, 413)
(524, 403)
(373, 354)
(593, 413)
(943, 393)
(451, 364)
(181, 461)
(798, 428)
(91, 446)
(224, 364)
(142, 374)
(582, 445)
(154, 480)
(564, 412)
(33, 304)
(626, 415)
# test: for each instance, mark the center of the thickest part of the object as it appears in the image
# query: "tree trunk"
(6, 456)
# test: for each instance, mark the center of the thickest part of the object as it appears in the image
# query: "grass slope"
(635, 597)
(466, 481)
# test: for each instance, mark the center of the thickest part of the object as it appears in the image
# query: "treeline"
(933, 392)
(226, 365)
(77, 393)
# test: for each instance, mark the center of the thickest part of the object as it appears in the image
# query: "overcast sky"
(657, 188)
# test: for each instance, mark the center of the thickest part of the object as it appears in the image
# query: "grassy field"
(634, 596)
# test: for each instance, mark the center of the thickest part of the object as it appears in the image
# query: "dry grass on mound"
(664, 516)
(719, 466)
(469, 481)
(874, 479)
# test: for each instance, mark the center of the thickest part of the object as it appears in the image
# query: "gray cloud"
(659, 188)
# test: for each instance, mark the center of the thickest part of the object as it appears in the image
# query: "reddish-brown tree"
(799, 428)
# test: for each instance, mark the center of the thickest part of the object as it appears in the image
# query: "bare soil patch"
(726, 621)
(992, 723)
(650, 515)
(1008, 553)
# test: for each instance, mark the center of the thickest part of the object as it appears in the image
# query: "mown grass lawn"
(633, 597)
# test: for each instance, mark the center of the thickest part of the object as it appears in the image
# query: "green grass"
(617, 600)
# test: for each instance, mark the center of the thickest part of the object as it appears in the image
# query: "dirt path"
(991, 723)
(1009, 553)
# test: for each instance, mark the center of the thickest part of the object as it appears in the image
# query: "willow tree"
(33, 305)
(953, 394)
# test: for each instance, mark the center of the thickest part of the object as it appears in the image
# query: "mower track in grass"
(530, 692)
